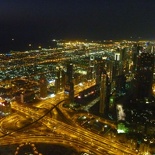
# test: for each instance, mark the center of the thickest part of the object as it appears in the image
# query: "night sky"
(39, 21)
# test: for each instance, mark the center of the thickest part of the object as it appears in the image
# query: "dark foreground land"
(44, 149)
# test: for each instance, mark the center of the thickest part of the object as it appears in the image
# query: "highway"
(69, 134)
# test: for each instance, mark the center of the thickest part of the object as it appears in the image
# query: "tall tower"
(135, 52)
(98, 73)
(118, 67)
(69, 87)
(70, 72)
(91, 70)
(103, 93)
(62, 78)
(57, 80)
(115, 69)
(144, 75)
(43, 86)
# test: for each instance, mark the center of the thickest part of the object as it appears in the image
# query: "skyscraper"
(105, 87)
(144, 75)
(57, 80)
(69, 87)
(91, 69)
(103, 93)
(43, 86)
(136, 49)
(117, 65)
(69, 72)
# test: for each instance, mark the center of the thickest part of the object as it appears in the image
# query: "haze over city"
(38, 22)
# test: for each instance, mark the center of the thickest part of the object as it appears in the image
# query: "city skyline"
(90, 96)
(38, 22)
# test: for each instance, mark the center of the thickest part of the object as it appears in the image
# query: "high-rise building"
(69, 86)
(27, 96)
(120, 83)
(91, 69)
(43, 86)
(70, 72)
(99, 70)
(144, 75)
(103, 93)
(62, 79)
(57, 80)
(117, 65)
(136, 50)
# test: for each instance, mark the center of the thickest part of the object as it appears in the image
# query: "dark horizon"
(38, 23)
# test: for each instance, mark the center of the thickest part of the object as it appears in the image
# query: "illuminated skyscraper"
(91, 69)
(135, 52)
(69, 86)
(62, 79)
(43, 86)
(144, 75)
(103, 93)
(57, 80)
(118, 63)
(70, 72)
(99, 69)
